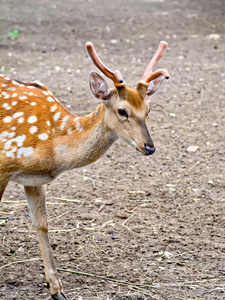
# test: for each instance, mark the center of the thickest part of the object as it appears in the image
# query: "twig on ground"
(53, 230)
(6, 213)
(100, 227)
(19, 262)
(198, 162)
(134, 287)
(63, 230)
(123, 224)
(140, 205)
(59, 216)
(101, 207)
(13, 201)
(69, 200)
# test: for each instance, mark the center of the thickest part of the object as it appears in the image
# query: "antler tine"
(148, 74)
(116, 76)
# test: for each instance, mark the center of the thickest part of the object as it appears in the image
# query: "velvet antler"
(149, 74)
(115, 76)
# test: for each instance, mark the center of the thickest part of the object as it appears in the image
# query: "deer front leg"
(37, 205)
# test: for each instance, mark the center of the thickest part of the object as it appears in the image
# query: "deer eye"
(122, 113)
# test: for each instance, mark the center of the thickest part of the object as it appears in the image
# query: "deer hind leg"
(37, 205)
(3, 183)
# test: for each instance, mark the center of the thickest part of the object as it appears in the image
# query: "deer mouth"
(147, 150)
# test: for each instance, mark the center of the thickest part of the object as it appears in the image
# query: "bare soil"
(153, 224)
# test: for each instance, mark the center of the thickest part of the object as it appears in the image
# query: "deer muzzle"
(149, 150)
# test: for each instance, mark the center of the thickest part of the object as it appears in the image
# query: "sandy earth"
(153, 224)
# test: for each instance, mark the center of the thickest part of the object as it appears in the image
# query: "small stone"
(192, 148)
(114, 41)
(214, 36)
(172, 190)
(57, 68)
(168, 254)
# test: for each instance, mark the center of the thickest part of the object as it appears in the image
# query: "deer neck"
(86, 141)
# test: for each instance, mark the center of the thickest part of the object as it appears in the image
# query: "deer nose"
(149, 150)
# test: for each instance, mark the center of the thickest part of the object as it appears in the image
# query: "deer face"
(126, 112)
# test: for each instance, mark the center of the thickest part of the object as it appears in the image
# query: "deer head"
(126, 107)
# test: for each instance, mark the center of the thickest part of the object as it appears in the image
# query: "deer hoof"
(59, 296)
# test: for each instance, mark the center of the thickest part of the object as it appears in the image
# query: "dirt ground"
(154, 225)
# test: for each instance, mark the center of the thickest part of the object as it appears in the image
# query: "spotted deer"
(40, 138)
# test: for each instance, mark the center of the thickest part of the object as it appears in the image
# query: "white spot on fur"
(11, 134)
(64, 121)
(3, 85)
(4, 134)
(32, 119)
(10, 153)
(28, 151)
(45, 93)
(22, 97)
(56, 116)
(19, 140)
(53, 108)
(7, 96)
(33, 129)
(18, 114)
(14, 95)
(70, 131)
(20, 120)
(78, 125)
(7, 119)
(48, 123)
(50, 99)
(13, 128)
(43, 136)
(14, 103)
(33, 103)
(6, 106)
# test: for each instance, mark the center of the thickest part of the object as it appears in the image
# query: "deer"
(40, 138)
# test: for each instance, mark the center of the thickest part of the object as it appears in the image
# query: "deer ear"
(99, 87)
(154, 85)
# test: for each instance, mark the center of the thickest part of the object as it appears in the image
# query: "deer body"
(40, 139)
(38, 145)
